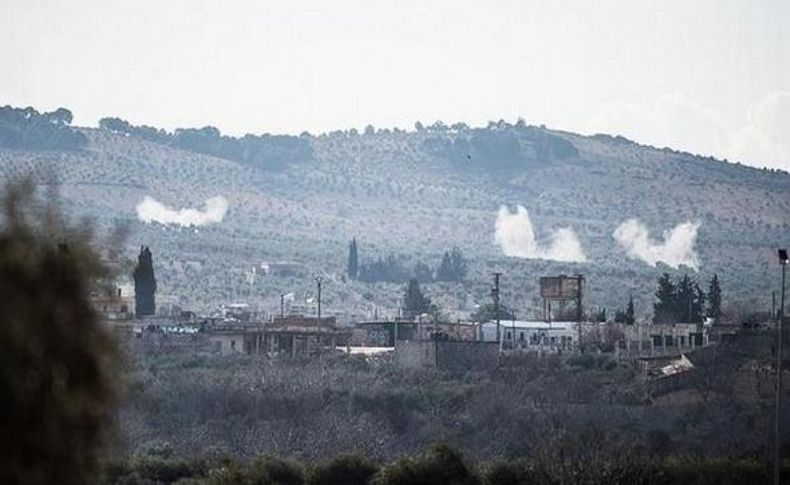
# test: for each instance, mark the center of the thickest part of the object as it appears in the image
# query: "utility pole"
(495, 296)
(318, 281)
(773, 305)
(778, 410)
(282, 305)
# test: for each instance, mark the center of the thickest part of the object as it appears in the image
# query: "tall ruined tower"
(144, 284)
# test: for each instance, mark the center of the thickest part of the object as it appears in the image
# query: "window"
(668, 341)
(521, 336)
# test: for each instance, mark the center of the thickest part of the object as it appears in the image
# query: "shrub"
(514, 473)
(344, 469)
(441, 464)
(269, 470)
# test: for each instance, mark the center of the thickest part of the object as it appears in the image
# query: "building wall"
(227, 343)
(453, 356)
(534, 336)
(664, 338)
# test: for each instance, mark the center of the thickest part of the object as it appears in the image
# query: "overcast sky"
(710, 77)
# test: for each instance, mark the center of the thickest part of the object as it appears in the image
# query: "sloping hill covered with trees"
(409, 198)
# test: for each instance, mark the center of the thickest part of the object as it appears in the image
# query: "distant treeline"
(453, 267)
(499, 146)
(262, 151)
(27, 129)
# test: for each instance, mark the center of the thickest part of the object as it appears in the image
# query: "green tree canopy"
(714, 299)
(453, 266)
(487, 312)
(353, 259)
(414, 302)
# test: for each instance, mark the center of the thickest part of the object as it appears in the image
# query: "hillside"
(415, 195)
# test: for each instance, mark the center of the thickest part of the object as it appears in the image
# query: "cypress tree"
(445, 270)
(353, 259)
(144, 284)
(630, 319)
(714, 299)
(414, 302)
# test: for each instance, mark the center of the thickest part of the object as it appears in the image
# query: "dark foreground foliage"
(57, 380)
(441, 464)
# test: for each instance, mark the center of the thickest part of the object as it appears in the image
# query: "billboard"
(561, 287)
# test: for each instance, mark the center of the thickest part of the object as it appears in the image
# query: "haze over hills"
(414, 195)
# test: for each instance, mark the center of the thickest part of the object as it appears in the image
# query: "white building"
(533, 335)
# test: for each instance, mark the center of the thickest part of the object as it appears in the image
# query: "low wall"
(453, 356)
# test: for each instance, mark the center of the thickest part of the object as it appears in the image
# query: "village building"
(532, 335)
(385, 333)
(290, 335)
(115, 303)
(665, 338)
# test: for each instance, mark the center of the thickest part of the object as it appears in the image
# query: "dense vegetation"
(684, 301)
(391, 269)
(540, 419)
(441, 464)
(528, 405)
(26, 128)
(268, 152)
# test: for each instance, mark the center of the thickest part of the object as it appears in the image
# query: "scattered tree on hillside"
(414, 302)
(387, 269)
(423, 273)
(453, 266)
(353, 259)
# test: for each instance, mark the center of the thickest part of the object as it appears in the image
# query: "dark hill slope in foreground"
(416, 195)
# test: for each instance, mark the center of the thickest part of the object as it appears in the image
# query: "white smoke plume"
(514, 234)
(151, 210)
(676, 250)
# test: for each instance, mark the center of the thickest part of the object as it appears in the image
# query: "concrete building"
(115, 303)
(290, 335)
(384, 333)
(533, 335)
(665, 338)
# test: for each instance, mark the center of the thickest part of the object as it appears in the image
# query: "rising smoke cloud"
(676, 250)
(515, 235)
(151, 210)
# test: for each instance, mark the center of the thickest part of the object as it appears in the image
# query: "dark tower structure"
(144, 284)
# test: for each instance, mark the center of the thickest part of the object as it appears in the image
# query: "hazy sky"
(710, 76)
